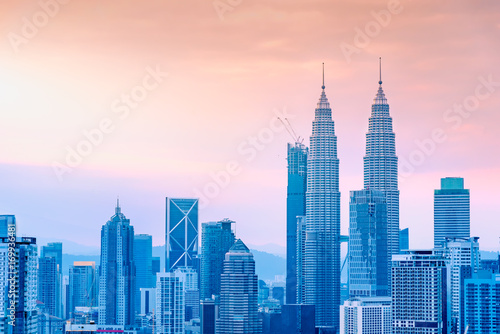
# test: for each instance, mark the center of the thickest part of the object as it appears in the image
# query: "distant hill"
(267, 266)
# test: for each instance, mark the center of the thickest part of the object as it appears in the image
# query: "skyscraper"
(482, 303)
(189, 278)
(295, 206)
(419, 293)
(463, 261)
(451, 210)
(381, 164)
(216, 240)
(143, 253)
(181, 237)
(239, 291)
(322, 246)
(368, 252)
(5, 222)
(301, 250)
(170, 304)
(82, 285)
(404, 239)
(18, 296)
(117, 272)
(48, 284)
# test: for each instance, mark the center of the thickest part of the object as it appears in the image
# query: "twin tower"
(313, 215)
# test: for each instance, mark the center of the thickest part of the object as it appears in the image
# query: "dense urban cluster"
(213, 288)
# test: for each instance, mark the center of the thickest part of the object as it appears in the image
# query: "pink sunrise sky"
(227, 74)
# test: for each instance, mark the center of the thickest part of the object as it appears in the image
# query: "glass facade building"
(295, 206)
(369, 256)
(117, 272)
(181, 240)
(381, 165)
(322, 244)
(82, 286)
(419, 293)
(238, 310)
(143, 254)
(451, 211)
(216, 240)
(482, 303)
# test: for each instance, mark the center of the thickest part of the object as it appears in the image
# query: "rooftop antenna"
(380, 70)
(323, 87)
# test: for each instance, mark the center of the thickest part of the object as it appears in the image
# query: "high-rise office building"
(181, 239)
(189, 278)
(216, 239)
(82, 285)
(143, 254)
(48, 284)
(463, 260)
(5, 222)
(156, 263)
(366, 315)
(322, 245)
(170, 304)
(238, 299)
(369, 255)
(301, 250)
(18, 289)
(482, 303)
(50, 281)
(419, 293)
(207, 316)
(451, 210)
(404, 239)
(381, 165)
(148, 300)
(298, 319)
(117, 272)
(295, 206)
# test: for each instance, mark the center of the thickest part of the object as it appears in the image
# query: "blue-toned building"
(83, 286)
(420, 303)
(451, 211)
(298, 319)
(404, 239)
(295, 206)
(482, 303)
(369, 254)
(181, 238)
(143, 254)
(23, 284)
(216, 240)
(238, 310)
(322, 244)
(5, 222)
(50, 278)
(381, 165)
(117, 272)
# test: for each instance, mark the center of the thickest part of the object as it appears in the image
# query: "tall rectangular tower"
(369, 256)
(181, 239)
(419, 293)
(322, 245)
(451, 211)
(216, 239)
(117, 272)
(50, 278)
(143, 254)
(295, 206)
(82, 286)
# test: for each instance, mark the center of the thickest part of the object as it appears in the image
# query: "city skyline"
(48, 99)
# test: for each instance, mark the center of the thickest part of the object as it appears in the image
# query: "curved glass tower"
(322, 245)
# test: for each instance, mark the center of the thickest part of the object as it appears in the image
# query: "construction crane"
(289, 129)
(466, 329)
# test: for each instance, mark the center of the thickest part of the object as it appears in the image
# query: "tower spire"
(117, 209)
(323, 86)
(380, 70)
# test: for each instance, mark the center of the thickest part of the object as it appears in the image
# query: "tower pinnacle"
(380, 70)
(323, 86)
